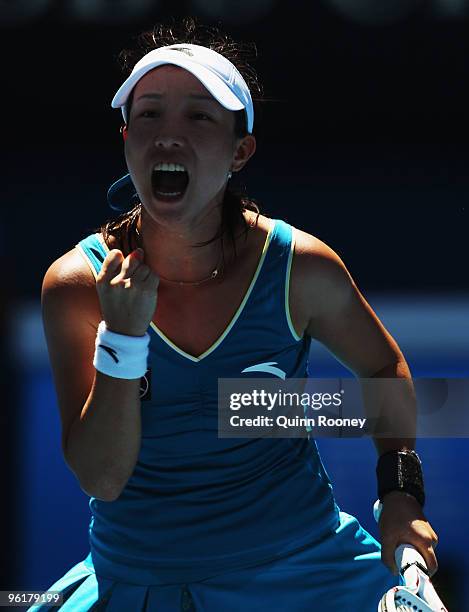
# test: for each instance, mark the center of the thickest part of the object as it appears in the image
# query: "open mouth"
(169, 182)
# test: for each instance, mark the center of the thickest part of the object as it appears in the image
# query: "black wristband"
(400, 471)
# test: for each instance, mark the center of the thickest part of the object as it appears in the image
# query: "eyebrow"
(156, 96)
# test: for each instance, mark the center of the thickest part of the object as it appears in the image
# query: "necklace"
(215, 272)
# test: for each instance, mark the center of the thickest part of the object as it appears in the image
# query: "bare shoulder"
(333, 310)
(317, 262)
(69, 270)
(313, 253)
(319, 277)
(69, 284)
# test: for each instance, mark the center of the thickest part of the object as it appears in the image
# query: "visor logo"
(185, 50)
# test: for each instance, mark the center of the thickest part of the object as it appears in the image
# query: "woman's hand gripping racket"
(417, 594)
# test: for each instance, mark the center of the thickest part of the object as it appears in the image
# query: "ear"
(245, 149)
(123, 131)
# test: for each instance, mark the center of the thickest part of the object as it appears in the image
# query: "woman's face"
(175, 120)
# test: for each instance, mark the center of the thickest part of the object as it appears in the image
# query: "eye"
(149, 114)
(201, 116)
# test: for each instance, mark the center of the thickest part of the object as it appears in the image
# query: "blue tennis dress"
(224, 524)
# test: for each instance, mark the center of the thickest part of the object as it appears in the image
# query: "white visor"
(215, 72)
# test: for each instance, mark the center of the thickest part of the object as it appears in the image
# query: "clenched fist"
(127, 290)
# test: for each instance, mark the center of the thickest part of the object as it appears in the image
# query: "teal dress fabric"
(200, 511)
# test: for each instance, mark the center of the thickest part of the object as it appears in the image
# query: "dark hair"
(189, 30)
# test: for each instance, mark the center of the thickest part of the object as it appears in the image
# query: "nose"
(168, 141)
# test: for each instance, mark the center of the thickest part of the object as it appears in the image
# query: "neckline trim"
(235, 317)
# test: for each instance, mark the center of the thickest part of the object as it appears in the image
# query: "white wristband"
(120, 356)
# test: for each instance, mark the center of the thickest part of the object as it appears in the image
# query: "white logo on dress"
(267, 368)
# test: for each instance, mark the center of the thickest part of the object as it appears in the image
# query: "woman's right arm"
(100, 414)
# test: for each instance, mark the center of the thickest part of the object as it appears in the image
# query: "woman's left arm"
(341, 319)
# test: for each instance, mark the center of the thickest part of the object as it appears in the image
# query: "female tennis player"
(142, 318)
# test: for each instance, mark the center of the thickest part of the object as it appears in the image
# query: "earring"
(230, 174)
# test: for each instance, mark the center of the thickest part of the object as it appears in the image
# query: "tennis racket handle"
(406, 554)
